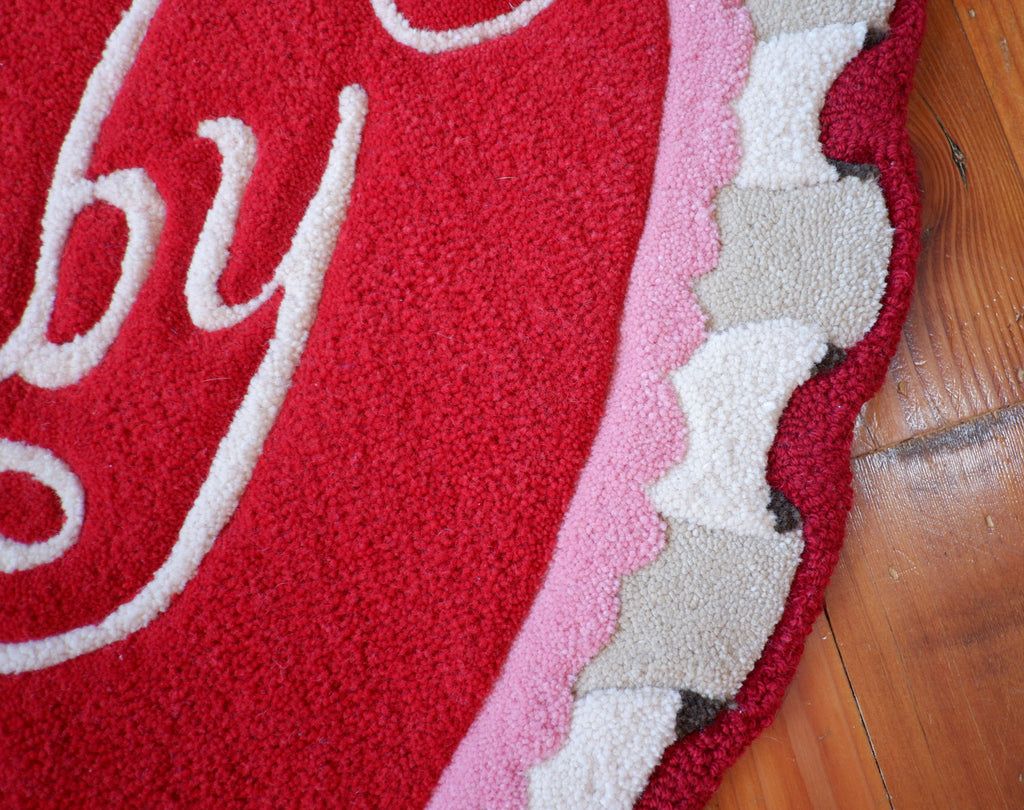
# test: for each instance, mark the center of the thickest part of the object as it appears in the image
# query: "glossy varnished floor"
(911, 690)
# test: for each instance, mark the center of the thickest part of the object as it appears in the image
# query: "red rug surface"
(421, 404)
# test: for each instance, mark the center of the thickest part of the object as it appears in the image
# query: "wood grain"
(995, 32)
(928, 608)
(962, 348)
(816, 754)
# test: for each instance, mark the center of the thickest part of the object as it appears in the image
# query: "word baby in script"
(298, 277)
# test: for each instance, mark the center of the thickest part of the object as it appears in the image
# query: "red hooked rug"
(444, 405)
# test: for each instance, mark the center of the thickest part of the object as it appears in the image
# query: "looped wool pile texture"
(447, 405)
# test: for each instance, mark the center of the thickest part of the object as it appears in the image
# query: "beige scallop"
(773, 17)
(817, 255)
(699, 615)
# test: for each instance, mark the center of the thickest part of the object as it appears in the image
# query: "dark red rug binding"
(863, 121)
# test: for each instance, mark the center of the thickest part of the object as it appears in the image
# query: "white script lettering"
(299, 277)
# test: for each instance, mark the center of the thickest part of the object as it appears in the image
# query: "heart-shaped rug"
(444, 405)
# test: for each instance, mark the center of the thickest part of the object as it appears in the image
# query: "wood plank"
(816, 754)
(927, 605)
(996, 34)
(962, 352)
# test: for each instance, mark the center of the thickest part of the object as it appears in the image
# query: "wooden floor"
(911, 690)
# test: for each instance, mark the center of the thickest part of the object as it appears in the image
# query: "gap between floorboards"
(860, 713)
(966, 431)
